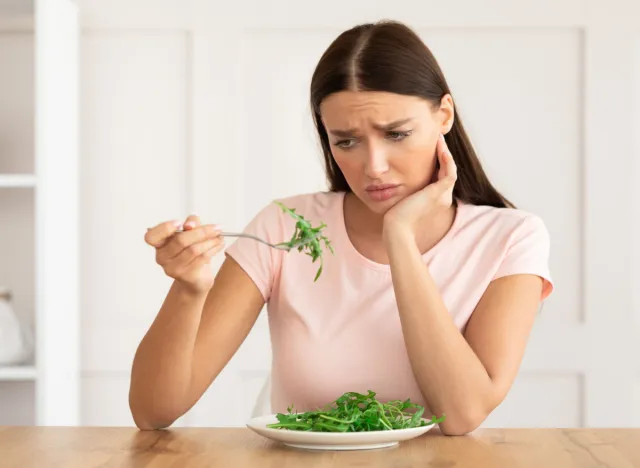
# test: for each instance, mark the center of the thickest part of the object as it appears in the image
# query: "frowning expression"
(384, 143)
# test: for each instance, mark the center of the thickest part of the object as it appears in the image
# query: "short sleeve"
(528, 253)
(259, 261)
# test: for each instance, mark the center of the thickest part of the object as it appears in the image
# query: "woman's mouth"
(381, 192)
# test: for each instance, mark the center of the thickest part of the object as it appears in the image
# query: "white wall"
(171, 122)
(135, 159)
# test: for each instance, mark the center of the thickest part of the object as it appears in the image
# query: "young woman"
(436, 278)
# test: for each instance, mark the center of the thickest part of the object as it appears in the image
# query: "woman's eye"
(345, 144)
(397, 136)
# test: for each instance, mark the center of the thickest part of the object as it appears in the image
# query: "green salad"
(356, 412)
(307, 238)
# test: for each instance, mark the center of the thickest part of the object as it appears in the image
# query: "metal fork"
(250, 236)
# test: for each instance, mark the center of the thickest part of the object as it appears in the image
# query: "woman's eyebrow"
(394, 124)
(390, 126)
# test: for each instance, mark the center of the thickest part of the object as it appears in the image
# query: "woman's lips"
(382, 192)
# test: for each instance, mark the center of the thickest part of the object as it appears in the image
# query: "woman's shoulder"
(516, 239)
(507, 224)
(274, 225)
(508, 218)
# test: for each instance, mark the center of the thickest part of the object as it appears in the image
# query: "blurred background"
(116, 115)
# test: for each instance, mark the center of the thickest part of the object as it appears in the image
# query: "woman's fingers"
(195, 251)
(206, 257)
(184, 250)
(191, 222)
(448, 168)
(158, 235)
(184, 240)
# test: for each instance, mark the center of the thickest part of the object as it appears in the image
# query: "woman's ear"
(446, 113)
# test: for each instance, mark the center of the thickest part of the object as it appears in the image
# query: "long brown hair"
(389, 56)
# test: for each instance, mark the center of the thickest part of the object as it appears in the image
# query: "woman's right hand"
(186, 256)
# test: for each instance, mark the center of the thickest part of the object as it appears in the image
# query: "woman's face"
(384, 143)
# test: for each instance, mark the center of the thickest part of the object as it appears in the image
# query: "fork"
(250, 236)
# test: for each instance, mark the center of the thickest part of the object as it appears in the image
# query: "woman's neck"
(360, 221)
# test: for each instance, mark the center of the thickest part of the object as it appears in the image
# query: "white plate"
(334, 440)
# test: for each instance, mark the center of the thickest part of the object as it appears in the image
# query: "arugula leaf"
(306, 237)
(356, 412)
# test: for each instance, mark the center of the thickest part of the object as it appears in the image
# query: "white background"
(202, 106)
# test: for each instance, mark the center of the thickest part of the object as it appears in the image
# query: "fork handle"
(228, 234)
(250, 236)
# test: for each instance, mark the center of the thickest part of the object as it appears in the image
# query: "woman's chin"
(376, 205)
(381, 207)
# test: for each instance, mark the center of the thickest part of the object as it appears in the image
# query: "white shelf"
(41, 47)
(17, 180)
(17, 373)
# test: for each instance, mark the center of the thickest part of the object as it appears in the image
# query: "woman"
(436, 278)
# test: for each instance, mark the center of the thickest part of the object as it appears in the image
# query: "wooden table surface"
(88, 447)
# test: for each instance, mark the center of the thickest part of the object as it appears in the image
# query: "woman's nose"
(376, 161)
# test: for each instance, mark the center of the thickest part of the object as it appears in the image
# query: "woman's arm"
(464, 377)
(191, 340)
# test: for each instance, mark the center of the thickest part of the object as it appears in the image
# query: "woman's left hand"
(435, 198)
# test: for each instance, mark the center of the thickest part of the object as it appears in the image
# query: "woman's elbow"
(145, 423)
(463, 424)
(147, 420)
(457, 429)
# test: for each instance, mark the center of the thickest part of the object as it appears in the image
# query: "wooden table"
(86, 447)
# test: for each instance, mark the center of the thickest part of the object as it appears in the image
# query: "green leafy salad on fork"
(307, 238)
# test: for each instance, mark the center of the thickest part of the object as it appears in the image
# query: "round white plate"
(334, 440)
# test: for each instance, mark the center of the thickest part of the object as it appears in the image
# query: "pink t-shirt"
(343, 333)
